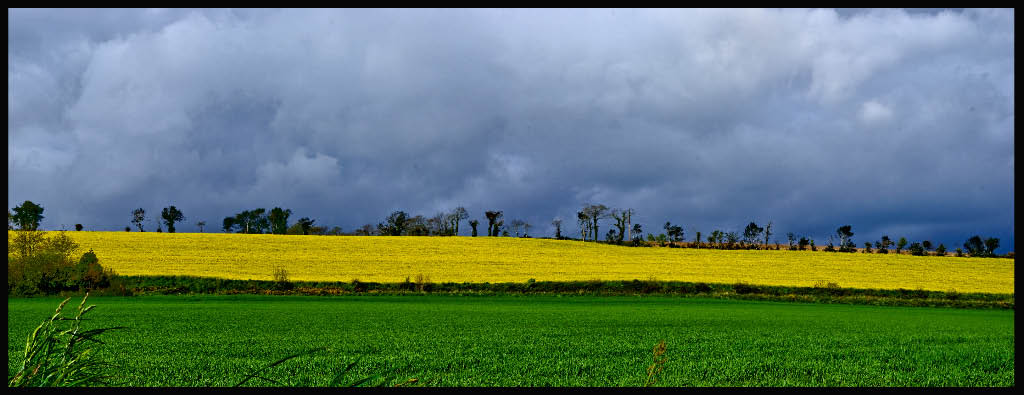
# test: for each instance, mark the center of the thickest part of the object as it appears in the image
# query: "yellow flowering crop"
(503, 259)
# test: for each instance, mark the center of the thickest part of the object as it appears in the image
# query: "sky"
(895, 122)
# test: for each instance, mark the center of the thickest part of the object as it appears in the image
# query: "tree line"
(447, 223)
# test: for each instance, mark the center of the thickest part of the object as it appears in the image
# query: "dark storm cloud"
(895, 122)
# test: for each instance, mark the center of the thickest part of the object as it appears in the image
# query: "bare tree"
(201, 224)
(516, 224)
(557, 222)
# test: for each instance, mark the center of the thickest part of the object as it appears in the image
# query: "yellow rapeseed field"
(493, 259)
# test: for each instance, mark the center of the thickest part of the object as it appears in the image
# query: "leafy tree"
(884, 244)
(158, 228)
(677, 233)
(901, 244)
(492, 219)
(171, 215)
(991, 244)
(867, 247)
(365, 230)
(610, 237)
(335, 231)
(201, 224)
(499, 230)
(940, 250)
(752, 233)
(698, 239)
(457, 216)
(306, 225)
(803, 243)
(228, 224)
(845, 242)
(959, 252)
(417, 226)
(622, 219)
(78, 227)
(792, 239)
(916, 249)
(557, 222)
(595, 212)
(395, 224)
(813, 248)
(716, 238)
(731, 239)
(637, 233)
(252, 221)
(473, 224)
(927, 245)
(127, 228)
(584, 222)
(138, 217)
(28, 215)
(278, 219)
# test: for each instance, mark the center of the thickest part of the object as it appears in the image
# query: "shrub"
(282, 281)
(744, 288)
(702, 288)
(37, 264)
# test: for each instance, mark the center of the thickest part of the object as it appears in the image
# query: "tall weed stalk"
(55, 356)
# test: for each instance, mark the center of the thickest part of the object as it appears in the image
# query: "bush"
(282, 280)
(41, 265)
(744, 288)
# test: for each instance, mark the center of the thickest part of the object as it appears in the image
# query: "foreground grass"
(505, 259)
(541, 340)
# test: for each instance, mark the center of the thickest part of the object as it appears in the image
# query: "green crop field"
(538, 341)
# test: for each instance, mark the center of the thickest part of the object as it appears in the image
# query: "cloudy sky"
(895, 122)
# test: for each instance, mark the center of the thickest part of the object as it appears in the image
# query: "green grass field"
(539, 341)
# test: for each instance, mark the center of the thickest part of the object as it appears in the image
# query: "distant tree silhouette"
(492, 220)
(78, 227)
(473, 224)
(557, 222)
(900, 244)
(752, 233)
(991, 244)
(279, 220)
(457, 216)
(171, 215)
(595, 212)
(306, 225)
(28, 215)
(228, 225)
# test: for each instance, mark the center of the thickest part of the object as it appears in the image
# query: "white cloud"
(873, 112)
